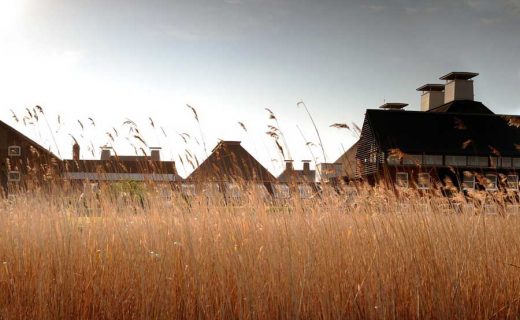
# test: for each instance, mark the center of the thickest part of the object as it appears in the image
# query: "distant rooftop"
(431, 87)
(393, 105)
(459, 76)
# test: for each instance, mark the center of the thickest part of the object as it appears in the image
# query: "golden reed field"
(371, 255)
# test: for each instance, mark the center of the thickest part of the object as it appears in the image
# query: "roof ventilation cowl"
(459, 86)
(393, 106)
(432, 96)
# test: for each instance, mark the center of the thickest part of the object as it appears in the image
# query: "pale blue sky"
(230, 59)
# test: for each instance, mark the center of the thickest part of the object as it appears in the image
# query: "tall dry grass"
(375, 255)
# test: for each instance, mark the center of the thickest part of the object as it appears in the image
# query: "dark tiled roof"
(444, 133)
(120, 166)
(229, 161)
(463, 106)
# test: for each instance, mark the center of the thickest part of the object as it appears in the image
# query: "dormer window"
(14, 151)
(14, 176)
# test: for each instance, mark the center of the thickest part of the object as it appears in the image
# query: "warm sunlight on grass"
(114, 256)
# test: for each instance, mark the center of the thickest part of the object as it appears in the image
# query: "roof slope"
(116, 165)
(348, 160)
(229, 161)
(463, 106)
(445, 133)
(29, 140)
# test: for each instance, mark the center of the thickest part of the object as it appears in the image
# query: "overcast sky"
(230, 59)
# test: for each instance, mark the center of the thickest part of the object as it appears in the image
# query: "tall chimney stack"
(75, 152)
(105, 153)
(306, 167)
(289, 165)
(459, 86)
(432, 96)
(155, 153)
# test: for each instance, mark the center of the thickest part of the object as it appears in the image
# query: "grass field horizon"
(376, 254)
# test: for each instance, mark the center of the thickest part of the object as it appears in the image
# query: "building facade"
(24, 163)
(453, 141)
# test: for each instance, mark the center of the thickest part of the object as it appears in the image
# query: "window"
(456, 161)
(432, 160)
(188, 189)
(14, 151)
(423, 181)
(281, 191)
(493, 162)
(89, 187)
(491, 182)
(305, 191)
(393, 160)
(165, 191)
(468, 181)
(412, 159)
(512, 182)
(402, 180)
(504, 162)
(233, 190)
(211, 189)
(261, 190)
(516, 163)
(14, 176)
(481, 162)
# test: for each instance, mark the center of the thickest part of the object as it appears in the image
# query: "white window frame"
(494, 181)
(305, 191)
(282, 194)
(422, 187)
(465, 181)
(233, 190)
(262, 191)
(515, 183)
(211, 189)
(18, 152)
(15, 179)
(188, 189)
(397, 179)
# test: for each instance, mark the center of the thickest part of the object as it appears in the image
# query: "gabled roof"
(463, 106)
(29, 140)
(445, 133)
(229, 161)
(348, 160)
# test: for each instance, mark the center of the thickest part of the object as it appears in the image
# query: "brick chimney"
(289, 165)
(306, 167)
(75, 152)
(155, 153)
(106, 153)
